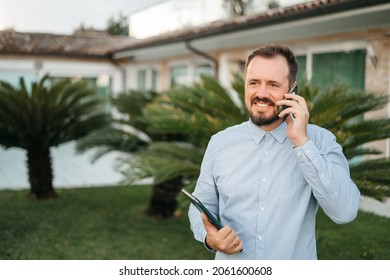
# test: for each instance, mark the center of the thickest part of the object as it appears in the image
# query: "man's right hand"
(224, 240)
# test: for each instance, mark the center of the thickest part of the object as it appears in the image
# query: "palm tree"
(198, 112)
(45, 115)
(130, 133)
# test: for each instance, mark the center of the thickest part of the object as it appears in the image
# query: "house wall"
(378, 75)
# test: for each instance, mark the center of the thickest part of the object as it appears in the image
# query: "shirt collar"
(279, 133)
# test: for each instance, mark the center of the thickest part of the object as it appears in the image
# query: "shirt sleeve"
(205, 191)
(327, 172)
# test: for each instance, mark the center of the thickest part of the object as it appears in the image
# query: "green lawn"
(109, 223)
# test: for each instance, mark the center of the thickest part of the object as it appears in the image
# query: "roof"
(89, 45)
(104, 45)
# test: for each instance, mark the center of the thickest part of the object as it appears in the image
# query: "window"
(179, 75)
(154, 80)
(203, 69)
(189, 73)
(147, 79)
(141, 80)
(14, 77)
(340, 67)
(103, 84)
(334, 63)
(302, 74)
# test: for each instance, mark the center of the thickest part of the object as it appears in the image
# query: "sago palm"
(46, 114)
(129, 133)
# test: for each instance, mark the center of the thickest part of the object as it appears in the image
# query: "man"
(266, 178)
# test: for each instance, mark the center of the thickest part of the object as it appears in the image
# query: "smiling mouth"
(262, 102)
(261, 105)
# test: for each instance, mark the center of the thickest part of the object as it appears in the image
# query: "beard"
(260, 119)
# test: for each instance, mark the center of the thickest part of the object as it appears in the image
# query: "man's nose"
(262, 91)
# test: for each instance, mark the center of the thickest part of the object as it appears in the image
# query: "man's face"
(266, 82)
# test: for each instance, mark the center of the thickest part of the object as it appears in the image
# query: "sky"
(64, 16)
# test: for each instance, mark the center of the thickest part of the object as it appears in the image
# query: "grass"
(109, 223)
(366, 238)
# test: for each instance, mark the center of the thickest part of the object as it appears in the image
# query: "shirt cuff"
(208, 247)
(308, 149)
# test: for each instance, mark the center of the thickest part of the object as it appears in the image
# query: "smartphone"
(200, 206)
(293, 88)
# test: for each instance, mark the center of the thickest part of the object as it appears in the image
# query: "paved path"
(371, 205)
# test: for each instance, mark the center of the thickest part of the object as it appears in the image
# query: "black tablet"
(199, 205)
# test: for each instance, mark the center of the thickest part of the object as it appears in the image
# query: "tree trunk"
(163, 201)
(40, 173)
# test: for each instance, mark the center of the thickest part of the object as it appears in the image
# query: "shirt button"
(266, 152)
(307, 151)
(262, 209)
(299, 153)
(260, 237)
(263, 180)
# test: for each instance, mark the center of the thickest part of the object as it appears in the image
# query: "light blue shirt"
(269, 192)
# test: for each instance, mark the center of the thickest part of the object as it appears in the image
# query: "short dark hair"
(271, 51)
